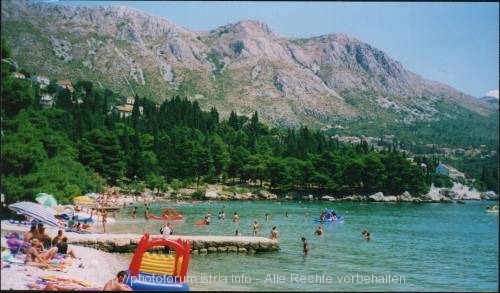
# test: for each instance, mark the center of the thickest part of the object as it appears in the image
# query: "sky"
(450, 42)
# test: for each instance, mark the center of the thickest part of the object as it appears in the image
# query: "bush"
(440, 180)
(198, 194)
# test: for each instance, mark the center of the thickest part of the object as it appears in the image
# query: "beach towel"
(8, 256)
(71, 284)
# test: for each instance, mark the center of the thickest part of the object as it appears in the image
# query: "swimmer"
(366, 234)
(319, 231)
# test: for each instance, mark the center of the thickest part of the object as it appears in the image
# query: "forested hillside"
(79, 145)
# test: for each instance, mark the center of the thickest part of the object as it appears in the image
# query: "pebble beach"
(93, 266)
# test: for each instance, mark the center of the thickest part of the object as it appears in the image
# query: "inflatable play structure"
(329, 216)
(168, 214)
(159, 272)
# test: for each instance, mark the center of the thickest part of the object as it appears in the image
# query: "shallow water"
(424, 247)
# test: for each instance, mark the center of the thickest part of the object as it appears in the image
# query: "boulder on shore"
(379, 196)
(489, 195)
(211, 194)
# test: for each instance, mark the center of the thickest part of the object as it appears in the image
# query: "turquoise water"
(424, 247)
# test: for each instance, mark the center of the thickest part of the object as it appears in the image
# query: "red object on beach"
(169, 214)
(182, 252)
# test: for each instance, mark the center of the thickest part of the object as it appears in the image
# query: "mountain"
(243, 66)
(491, 100)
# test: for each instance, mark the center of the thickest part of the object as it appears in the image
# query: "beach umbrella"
(46, 199)
(67, 209)
(83, 199)
(41, 213)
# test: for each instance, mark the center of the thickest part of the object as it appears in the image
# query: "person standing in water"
(236, 218)
(255, 228)
(166, 230)
(305, 246)
(274, 234)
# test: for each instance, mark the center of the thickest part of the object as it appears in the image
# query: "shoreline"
(458, 192)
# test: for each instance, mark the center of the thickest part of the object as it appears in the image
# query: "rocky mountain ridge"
(242, 66)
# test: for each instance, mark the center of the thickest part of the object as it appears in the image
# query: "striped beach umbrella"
(37, 211)
(46, 199)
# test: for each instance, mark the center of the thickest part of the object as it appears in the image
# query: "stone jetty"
(124, 243)
(127, 243)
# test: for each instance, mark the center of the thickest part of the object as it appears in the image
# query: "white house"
(130, 100)
(47, 100)
(449, 171)
(42, 80)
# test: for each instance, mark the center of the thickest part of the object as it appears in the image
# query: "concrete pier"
(199, 244)
(127, 243)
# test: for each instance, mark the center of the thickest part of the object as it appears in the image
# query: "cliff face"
(242, 66)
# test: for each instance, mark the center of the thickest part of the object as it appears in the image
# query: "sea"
(413, 247)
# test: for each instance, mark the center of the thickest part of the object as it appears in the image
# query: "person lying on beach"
(55, 287)
(86, 226)
(117, 284)
(36, 253)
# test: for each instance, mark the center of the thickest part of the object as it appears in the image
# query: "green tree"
(16, 94)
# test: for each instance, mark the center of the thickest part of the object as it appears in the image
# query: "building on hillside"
(130, 100)
(449, 171)
(65, 84)
(47, 100)
(41, 80)
(19, 75)
(123, 111)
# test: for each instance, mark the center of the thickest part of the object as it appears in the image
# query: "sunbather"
(37, 254)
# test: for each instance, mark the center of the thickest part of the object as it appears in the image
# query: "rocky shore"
(457, 193)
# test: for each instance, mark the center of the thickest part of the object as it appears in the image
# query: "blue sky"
(453, 43)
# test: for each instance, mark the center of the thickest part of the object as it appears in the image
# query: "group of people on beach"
(38, 247)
